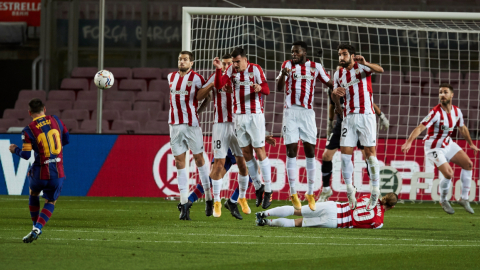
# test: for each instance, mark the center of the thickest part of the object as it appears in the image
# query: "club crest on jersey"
(250, 74)
(313, 70)
(357, 71)
(293, 70)
(189, 83)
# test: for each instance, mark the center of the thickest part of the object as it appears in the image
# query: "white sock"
(347, 169)
(182, 185)
(281, 211)
(281, 222)
(444, 188)
(217, 187)
(292, 173)
(203, 173)
(242, 186)
(326, 189)
(374, 170)
(266, 173)
(310, 175)
(253, 172)
(466, 177)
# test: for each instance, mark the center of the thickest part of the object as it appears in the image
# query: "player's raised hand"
(217, 63)
(406, 147)
(257, 87)
(270, 140)
(285, 71)
(340, 91)
(227, 88)
(360, 59)
(12, 148)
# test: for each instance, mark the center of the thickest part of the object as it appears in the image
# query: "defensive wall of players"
(143, 166)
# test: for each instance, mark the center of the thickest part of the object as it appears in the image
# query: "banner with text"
(21, 11)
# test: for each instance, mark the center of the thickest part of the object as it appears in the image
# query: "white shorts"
(359, 127)
(299, 123)
(440, 156)
(250, 130)
(324, 216)
(184, 137)
(223, 135)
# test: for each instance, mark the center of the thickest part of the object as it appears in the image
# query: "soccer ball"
(103, 79)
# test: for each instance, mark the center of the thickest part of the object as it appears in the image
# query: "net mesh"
(417, 55)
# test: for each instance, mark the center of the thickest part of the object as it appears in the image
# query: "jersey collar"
(35, 119)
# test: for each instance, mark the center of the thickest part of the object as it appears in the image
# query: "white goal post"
(418, 50)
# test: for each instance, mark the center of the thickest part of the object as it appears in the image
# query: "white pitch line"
(255, 236)
(249, 243)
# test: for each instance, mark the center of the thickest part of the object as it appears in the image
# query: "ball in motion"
(103, 79)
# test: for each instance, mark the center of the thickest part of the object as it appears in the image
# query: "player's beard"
(183, 69)
(344, 64)
(445, 102)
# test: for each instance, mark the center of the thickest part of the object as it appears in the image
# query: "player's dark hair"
(226, 56)
(36, 105)
(449, 86)
(348, 47)
(301, 44)
(238, 51)
(190, 55)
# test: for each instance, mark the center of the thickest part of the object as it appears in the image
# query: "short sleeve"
(286, 64)
(229, 71)
(336, 79)
(259, 75)
(368, 71)
(210, 80)
(322, 75)
(430, 119)
(460, 121)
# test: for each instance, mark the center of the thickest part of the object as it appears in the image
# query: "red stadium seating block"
(166, 71)
(90, 126)
(159, 86)
(121, 73)
(84, 72)
(85, 105)
(147, 73)
(59, 104)
(107, 114)
(162, 116)
(121, 96)
(68, 95)
(71, 124)
(10, 122)
(151, 106)
(74, 84)
(133, 85)
(76, 114)
(149, 96)
(92, 95)
(30, 94)
(118, 105)
(140, 116)
(156, 127)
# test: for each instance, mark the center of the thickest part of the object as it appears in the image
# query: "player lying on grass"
(45, 135)
(230, 204)
(441, 149)
(331, 214)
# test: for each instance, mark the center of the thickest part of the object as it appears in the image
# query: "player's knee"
(50, 202)
(309, 150)
(199, 161)
(326, 156)
(298, 222)
(468, 166)
(292, 150)
(448, 174)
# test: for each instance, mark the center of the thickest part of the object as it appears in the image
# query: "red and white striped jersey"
(300, 84)
(183, 101)
(245, 100)
(223, 103)
(440, 125)
(358, 85)
(360, 217)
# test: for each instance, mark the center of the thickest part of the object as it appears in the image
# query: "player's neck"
(37, 115)
(350, 66)
(183, 73)
(447, 108)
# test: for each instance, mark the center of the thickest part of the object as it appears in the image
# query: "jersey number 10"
(53, 146)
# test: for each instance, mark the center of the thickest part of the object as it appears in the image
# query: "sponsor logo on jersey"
(446, 128)
(346, 85)
(426, 119)
(249, 83)
(302, 77)
(174, 92)
(53, 160)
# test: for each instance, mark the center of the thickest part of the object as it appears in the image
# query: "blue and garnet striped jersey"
(46, 135)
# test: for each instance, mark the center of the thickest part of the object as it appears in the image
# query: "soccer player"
(354, 81)
(331, 214)
(441, 149)
(333, 143)
(185, 132)
(300, 75)
(248, 85)
(45, 135)
(231, 203)
(223, 139)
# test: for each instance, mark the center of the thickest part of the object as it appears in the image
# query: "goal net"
(417, 55)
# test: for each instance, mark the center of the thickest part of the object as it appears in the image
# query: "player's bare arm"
(329, 84)
(415, 133)
(336, 100)
(361, 60)
(466, 135)
(281, 79)
(203, 93)
(205, 103)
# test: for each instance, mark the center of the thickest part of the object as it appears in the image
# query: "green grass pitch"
(145, 233)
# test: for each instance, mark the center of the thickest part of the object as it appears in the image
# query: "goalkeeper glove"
(384, 121)
(329, 127)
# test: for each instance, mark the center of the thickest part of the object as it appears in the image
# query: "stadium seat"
(30, 94)
(120, 73)
(61, 95)
(114, 87)
(152, 106)
(21, 105)
(84, 72)
(59, 104)
(471, 77)
(140, 116)
(448, 77)
(129, 126)
(118, 105)
(85, 105)
(156, 127)
(147, 73)
(71, 124)
(269, 117)
(90, 126)
(159, 86)
(10, 122)
(25, 122)
(149, 96)
(421, 77)
(121, 96)
(91, 95)
(107, 114)
(133, 85)
(271, 76)
(76, 114)
(74, 84)
(166, 71)
(162, 116)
